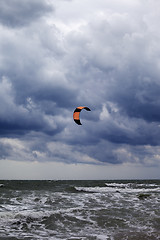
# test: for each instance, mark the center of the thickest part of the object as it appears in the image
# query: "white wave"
(147, 184)
(126, 185)
(119, 185)
(116, 190)
(5, 216)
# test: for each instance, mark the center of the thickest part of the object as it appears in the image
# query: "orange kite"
(76, 114)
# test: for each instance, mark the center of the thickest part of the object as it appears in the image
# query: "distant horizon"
(154, 179)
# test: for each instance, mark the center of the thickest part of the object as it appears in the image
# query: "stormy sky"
(57, 55)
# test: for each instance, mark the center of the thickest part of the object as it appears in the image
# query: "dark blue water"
(77, 210)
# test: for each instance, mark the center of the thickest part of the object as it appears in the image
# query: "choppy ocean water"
(80, 210)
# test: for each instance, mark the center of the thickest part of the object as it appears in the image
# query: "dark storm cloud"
(15, 13)
(18, 118)
(140, 99)
(33, 86)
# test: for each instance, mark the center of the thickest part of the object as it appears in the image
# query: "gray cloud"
(17, 13)
(5, 151)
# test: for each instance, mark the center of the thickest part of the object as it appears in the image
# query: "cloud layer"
(57, 56)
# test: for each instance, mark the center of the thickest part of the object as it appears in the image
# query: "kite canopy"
(76, 114)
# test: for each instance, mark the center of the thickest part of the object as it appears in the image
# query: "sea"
(80, 210)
